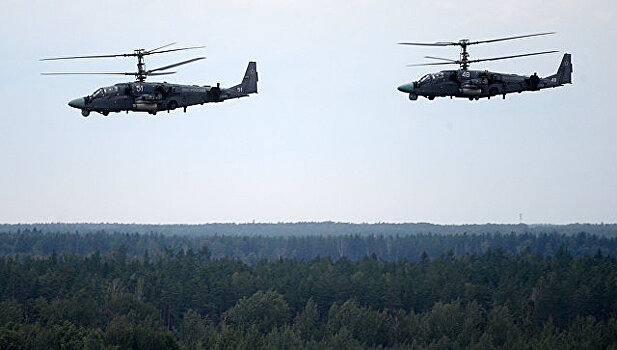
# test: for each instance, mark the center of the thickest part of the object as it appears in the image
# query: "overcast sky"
(328, 137)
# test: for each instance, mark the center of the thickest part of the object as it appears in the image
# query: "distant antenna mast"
(520, 218)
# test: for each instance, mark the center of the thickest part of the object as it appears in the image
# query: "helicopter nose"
(78, 103)
(406, 88)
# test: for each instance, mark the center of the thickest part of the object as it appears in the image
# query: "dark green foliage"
(307, 324)
(264, 311)
(186, 298)
(193, 329)
(10, 312)
(364, 324)
(124, 335)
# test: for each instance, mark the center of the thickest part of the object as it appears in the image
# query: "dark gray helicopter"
(475, 84)
(140, 96)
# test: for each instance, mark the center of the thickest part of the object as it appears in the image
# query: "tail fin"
(564, 73)
(249, 82)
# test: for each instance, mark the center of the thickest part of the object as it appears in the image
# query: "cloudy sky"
(328, 137)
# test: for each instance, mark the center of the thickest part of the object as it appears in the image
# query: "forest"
(490, 290)
(252, 249)
(326, 228)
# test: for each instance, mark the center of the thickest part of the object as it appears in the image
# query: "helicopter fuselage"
(476, 84)
(153, 97)
(150, 97)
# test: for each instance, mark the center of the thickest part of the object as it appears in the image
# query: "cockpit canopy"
(432, 76)
(425, 78)
(98, 93)
(436, 76)
(106, 91)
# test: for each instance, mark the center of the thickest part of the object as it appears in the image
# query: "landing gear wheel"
(413, 97)
(85, 113)
(172, 105)
(105, 113)
(430, 98)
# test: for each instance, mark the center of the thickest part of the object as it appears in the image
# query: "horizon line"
(306, 222)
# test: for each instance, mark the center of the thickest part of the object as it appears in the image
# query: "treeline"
(186, 299)
(318, 229)
(255, 248)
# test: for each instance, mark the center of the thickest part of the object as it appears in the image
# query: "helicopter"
(476, 84)
(141, 96)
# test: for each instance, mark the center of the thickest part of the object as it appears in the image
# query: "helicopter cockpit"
(105, 91)
(425, 79)
(97, 94)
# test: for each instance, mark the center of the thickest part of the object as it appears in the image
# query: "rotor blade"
(431, 44)
(93, 56)
(465, 42)
(513, 56)
(158, 48)
(89, 73)
(179, 49)
(509, 38)
(161, 73)
(175, 64)
(439, 58)
(144, 53)
(432, 64)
